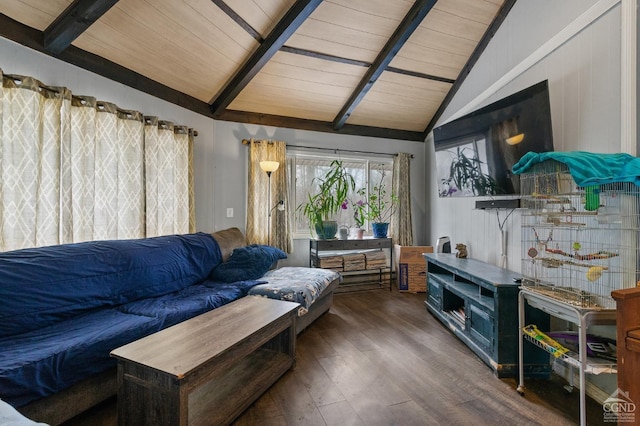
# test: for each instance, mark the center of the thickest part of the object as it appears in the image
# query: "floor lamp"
(269, 167)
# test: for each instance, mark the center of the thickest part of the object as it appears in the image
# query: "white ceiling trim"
(628, 77)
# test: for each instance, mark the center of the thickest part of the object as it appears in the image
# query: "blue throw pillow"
(247, 263)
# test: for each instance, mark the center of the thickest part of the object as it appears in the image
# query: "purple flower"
(360, 203)
(345, 205)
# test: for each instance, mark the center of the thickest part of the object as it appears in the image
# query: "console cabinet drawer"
(481, 326)
(434, 294)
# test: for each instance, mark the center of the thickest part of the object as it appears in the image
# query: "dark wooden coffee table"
(209, 369)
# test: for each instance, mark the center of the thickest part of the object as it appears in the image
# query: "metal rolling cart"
(579, 243)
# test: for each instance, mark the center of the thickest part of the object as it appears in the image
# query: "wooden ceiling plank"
(32, 38)
(74, 21)
(411, 21)
(37, 15)
(298, 13)
(262, 15)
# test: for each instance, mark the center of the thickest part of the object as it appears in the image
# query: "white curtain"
(168, 177)
(30, 161)
(76, 169)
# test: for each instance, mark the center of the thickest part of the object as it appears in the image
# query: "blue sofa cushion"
(42, 362)
(42, 286)
(173, 308)
(247, 263)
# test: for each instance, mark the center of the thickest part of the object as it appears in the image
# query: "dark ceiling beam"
(411, 21)
(324, 56)
(238, 20)
(296, 15)
(482, 45)
(318, 126)
(420, 75)
(75, 19)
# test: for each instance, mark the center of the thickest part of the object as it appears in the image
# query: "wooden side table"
(318, 246)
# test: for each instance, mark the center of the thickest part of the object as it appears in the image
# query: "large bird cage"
(578, 243)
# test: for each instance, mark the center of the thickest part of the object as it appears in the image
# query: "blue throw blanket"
(588, 168)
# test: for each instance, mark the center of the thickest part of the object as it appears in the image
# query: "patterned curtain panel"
(266, 224)
(181, 179)
(281, 222)
(130, 177)
(105, 215)
(30, 137)
(152, 140)
(169, 184)
(73, 169)
(192, 186)
(401, 229)
(78, 171)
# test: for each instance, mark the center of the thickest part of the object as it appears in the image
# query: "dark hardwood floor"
(379, 358)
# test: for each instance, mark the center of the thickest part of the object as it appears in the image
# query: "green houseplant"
(377, 207)
(333, 190)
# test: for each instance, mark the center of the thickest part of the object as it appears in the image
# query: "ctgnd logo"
(619, 408)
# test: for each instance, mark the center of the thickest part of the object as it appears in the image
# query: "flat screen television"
(475, 153)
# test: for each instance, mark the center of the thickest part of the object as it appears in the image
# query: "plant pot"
(343, 232)
(359, 233)
(380, 229)
(327, 229)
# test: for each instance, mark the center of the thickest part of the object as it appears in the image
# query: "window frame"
(370, 163)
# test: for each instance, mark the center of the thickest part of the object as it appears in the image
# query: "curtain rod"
(336, 150)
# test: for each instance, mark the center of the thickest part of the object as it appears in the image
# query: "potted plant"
(378, 208)
(333, 190)
(359, 216)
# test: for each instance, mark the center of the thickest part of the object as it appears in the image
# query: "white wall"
(220, 158)
(584, 84)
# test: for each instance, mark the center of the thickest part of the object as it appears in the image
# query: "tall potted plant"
(378, 207)
(333, 190)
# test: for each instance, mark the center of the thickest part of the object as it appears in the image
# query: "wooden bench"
(209, 369)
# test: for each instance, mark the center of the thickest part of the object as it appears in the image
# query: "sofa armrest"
(228, 240)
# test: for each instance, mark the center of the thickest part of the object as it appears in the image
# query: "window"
(304, 168)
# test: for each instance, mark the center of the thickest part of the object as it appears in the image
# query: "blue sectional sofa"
(66, 307)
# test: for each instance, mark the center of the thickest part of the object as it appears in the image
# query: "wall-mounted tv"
(475, 153)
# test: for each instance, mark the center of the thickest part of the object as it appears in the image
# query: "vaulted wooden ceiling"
(383, 68)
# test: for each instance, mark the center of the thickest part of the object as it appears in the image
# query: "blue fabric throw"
(588, 168)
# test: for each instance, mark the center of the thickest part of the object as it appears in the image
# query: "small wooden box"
(376, 260)
(331, 262)
(353, 262)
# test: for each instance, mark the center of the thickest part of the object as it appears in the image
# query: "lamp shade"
(269, 166)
